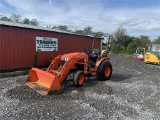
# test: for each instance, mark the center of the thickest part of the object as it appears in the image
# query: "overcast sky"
(138, 17)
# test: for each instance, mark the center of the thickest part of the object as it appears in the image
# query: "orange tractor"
(80, 64)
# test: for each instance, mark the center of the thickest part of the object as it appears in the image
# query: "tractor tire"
(79, 78)
(104, 71)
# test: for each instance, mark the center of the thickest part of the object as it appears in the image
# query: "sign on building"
(46, 44)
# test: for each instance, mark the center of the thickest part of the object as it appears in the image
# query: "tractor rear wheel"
(78, 78)
(104, 71)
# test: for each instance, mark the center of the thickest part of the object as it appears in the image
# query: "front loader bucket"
(43, 82)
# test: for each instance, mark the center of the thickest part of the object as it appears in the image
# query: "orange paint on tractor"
(46, 81)
(79, 64)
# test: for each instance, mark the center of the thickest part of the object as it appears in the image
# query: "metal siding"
(17, 46)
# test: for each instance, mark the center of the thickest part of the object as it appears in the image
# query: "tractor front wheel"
(104, 71)
(78, 78)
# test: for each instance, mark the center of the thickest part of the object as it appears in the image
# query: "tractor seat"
(96, 51)
(95, 54)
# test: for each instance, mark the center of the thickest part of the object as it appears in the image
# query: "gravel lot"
(132, 93)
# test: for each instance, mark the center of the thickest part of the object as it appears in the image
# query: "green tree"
(116, 48)
(34, 22)
(15, 18)
(62, 27)
(120, 40)
(138, 42)
(143, 41)
(120, 34)
(131, 48)
(80, 32)
(88, 30)
(54, 27)
(4, 18)
(157, 41)
(26, 21)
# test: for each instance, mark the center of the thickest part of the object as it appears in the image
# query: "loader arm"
(50, 80)
(54, 64)
(71, 60)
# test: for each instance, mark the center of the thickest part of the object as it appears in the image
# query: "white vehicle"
(139, 55)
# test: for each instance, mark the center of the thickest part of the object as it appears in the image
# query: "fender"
(100, 61)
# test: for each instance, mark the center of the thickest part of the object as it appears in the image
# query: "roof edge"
(38, 28)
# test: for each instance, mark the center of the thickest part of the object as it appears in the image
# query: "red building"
(19, 43)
